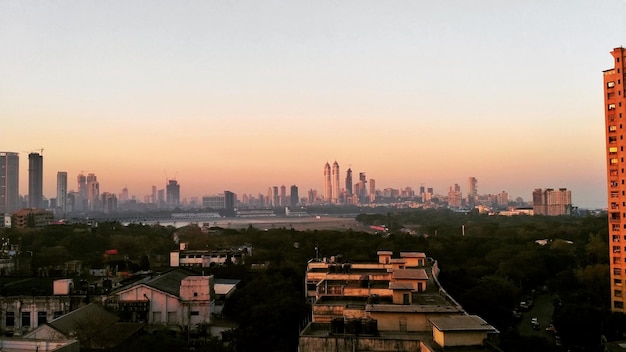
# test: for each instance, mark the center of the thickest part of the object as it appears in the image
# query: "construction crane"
(40, 150)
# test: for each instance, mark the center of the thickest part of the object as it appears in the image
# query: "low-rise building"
(392, 304)
(177, 300)
(185, 257)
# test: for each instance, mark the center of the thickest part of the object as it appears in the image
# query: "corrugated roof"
(75, 320)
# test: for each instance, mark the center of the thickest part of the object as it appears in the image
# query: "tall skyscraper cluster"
(350, 194)
(614, 113)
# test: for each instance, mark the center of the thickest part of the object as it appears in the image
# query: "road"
(542, 309)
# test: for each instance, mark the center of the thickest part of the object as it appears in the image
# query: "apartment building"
(392, 304)
(614, 112)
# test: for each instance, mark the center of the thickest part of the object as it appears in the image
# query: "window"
(25, 318)
(612, 139)
(156, 317)
(171, 317)
(618, 304)
(612, 150)
(613, 161)
(10, 319)
(610, 84)
(194, 312)
(57, 313)
(42, 318)
(611, 106)
(617, 293)
(612, 128)
(617, 282)
(610, 95)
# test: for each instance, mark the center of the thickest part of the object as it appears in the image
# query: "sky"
(244, 95)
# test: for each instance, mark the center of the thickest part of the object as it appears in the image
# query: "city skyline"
(247, 95)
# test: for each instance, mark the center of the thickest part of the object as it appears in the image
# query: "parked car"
(535, 323)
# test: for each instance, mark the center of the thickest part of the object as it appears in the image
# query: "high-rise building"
(614, 112)
(455, 197)
(35, 180)
(172, 190)
(328, 190)
(275, 196)
(62, 193)
(293, 196)
(93, 192)
(372, 191)
(283, 195)
(9, 182)
(472, 191)
(335, 183)
(349, 182)
(552, 202)
(81, 201)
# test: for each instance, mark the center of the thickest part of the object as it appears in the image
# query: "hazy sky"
(243, 95)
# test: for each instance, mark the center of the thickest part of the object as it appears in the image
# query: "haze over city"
(245, 95)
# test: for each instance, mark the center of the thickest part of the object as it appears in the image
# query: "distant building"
(172, 193)
(614, 112)
(472, 191)
(455, 197)
(349, 182)
(93, 192)
(62, 193)
(552, 202)
(35, 180)
(335, 183)
(31, 218)
(221, 201)
(293, 196)
(328, 188)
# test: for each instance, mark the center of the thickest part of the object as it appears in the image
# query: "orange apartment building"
(614, 105)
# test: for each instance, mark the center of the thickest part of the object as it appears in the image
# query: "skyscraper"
(35, 180)
(472, 191)
(293, 196)
(93, 192)
(283, 195)
(614, 112)
(80, 204)
(62, 193)
(349, 182)
(328, 190)
(335, 183)
(9, 182)
(172, 190)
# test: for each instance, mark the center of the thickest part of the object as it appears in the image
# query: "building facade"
(614, 111)
(9, 182)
